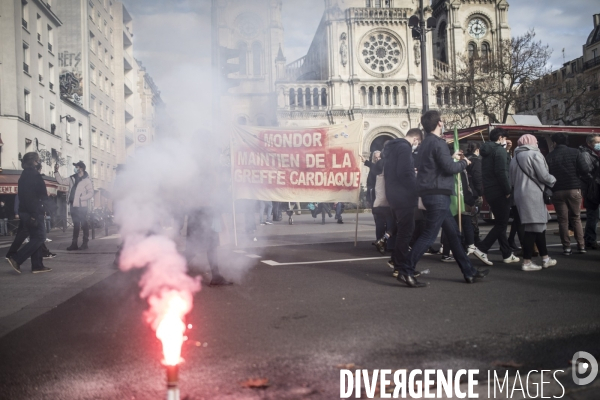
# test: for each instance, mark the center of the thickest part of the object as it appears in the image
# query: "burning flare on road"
(171, 328)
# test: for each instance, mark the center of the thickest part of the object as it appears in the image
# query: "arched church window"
(439, 96)
(485, 56)
(446, 96)
(324, 97)
(241, 121)
(257, 59)
(371, 95)
(308, 98)
(472, 50)
(315, 100)
(379, 95)
(363, 96)
(300, 98)
(395, 96)
(387, 95)
(469, 96)
(243, 47)
(461, 96)
(292, 99)
(404, 97)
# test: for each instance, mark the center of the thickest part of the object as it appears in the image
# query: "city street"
(311, 304)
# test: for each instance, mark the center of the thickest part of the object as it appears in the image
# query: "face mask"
(76, 170)
(443, 129)
(597, 147)
(415, 147)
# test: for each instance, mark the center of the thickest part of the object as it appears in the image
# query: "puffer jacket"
(437, 167)
(84, 191)
(565, 164)
(494, 170)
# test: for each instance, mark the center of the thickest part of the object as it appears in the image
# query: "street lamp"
(420, 27)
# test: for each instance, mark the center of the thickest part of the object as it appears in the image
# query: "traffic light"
(226, 68)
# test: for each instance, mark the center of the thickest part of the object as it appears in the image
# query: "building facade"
(363, 62)
(148, 108)
(29, 88)
(569, 95)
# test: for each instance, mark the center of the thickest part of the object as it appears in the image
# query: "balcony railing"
(129, 136)
(128, 111)
(591, 63)
(128, 86)
(25, 67)
(27, 117)
(441, 70)
(24, 23)
(128, 61)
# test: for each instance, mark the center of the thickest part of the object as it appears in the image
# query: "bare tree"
(493, 83)
(574, 101)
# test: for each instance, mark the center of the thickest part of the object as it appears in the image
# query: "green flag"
(454, 200)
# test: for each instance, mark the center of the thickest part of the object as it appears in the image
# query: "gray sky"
(171, 38)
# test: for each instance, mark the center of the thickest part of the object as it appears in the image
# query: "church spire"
(280, 56)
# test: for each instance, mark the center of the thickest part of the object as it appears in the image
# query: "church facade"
(363, 63)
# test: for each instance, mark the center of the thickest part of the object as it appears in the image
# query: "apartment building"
(90, 74)
(29, 84)
(148, 108)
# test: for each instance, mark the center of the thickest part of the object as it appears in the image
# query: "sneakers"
(549, 263)
(14, 264)
(581, 250)
(567, 251)
(340, 221)
(447, 259)
(530, 267)
(482, 256)
(471, 249)
(395, 273)
(380, 245)
(262, 224)
(511, 259)
(51, 255)
(269, 223)
(390, 264)
(83, 246)
(42, 270)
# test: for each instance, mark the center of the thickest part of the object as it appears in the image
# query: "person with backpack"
(590, 175)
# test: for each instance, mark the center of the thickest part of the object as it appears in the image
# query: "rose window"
(382, 53)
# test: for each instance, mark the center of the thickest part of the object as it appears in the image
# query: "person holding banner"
(435, 184)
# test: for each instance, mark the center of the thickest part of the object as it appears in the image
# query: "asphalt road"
(296, 324)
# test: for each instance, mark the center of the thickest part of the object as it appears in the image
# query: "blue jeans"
(37, 237)
(338, 211)
(591, 221)
(266, 206)
(438, 216)
(4, 226)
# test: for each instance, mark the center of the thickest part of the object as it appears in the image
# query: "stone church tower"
(254, 28)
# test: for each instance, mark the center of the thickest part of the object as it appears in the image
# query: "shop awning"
(468, 132)
(9, 185)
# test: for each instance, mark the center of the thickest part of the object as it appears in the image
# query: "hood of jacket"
(394, 145)
(527, 147)
(489, 148)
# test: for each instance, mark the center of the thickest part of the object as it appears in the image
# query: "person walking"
(435, 185)
(474, 173)
(497, 191)
(266, 207)
(529, 174)
(32, 194)
(591, 188)
(81, 190)
(3, 219)
(564, 164)
(401, 194)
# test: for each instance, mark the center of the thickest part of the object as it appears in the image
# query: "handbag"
(546, 191)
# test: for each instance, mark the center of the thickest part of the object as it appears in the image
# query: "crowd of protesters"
(412, 179)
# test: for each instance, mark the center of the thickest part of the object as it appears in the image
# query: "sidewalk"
(26, 296)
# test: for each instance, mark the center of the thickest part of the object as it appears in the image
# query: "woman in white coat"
(529, 175)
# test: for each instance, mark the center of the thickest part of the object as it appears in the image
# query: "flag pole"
(357, 206)
(458, 184)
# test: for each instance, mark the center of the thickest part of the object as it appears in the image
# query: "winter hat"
(527, 139)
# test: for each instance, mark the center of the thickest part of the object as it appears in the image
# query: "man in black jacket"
(565, 164)
(435, 185)
(497, 189)
(401, 190)
(32, 195)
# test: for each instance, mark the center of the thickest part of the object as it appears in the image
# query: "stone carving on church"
(417, 49)
(248, 25)
(343, 50)
(381, 52)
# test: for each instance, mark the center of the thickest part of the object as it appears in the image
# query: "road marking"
(253, 256)
(275, 263)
